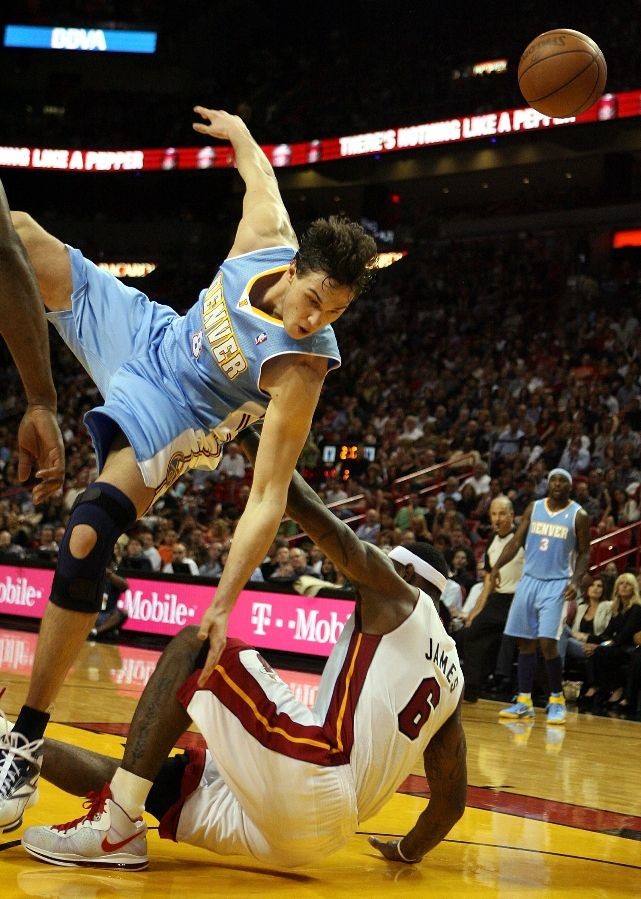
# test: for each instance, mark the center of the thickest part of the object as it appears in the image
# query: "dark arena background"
(501, 339)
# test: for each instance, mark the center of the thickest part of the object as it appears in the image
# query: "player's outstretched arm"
(265, 221)
(24, 327)
(446, 770)
(362, 563)
(294, 388)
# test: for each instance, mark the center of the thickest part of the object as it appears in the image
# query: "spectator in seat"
(212, 567)
(370, 527)
(46, 548)
(588, 502)
(133, 558)
(606, 667)
(508, 443)
(316, 558)
(463, 568)
(450, 492)
(166, 547)
(149, 549)
(593, 613)
(299, 562)
(9, 551)
(283, 572)
(181, 563)
(232, 464)
(575, 458)
(479, 479)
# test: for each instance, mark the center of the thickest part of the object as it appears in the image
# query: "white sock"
(130, 791)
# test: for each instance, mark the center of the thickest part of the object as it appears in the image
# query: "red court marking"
(496, 800)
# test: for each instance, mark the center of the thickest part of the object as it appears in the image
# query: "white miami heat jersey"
(387, 696)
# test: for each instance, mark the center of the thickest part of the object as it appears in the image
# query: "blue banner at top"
(104, 40)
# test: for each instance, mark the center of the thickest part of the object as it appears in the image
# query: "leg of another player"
(522, 707)
(556, 713)
(76, 771)
(160, 719)
(158, 722)
(63, 631)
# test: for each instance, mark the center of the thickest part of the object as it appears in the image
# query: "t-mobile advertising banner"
(280, 621)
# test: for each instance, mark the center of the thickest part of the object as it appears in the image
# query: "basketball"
(562, 73)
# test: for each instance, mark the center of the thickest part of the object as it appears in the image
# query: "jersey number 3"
(419, 708)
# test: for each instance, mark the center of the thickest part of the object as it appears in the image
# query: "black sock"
(554, 669)
(31, 723)
(526, 667)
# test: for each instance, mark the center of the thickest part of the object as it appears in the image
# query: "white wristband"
(410, 861)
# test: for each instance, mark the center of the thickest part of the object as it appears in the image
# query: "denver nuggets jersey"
(218, 349)
(179, 387)
(550, 542)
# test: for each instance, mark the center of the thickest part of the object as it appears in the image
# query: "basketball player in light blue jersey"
(556, 537)
(256, 345)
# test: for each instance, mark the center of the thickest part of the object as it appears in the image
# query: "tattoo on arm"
(445, 764)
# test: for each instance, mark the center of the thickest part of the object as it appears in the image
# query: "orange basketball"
(562, 73)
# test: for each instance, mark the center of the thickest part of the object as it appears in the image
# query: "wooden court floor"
(551, 811)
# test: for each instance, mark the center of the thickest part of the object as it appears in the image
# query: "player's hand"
(219, 123)
(570, 593)
(389, 850)
(40, 446)
(212, 627)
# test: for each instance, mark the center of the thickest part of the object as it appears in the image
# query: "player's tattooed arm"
(446, 771)
(362, 563)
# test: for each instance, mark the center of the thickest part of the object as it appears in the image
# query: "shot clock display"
(348, 455)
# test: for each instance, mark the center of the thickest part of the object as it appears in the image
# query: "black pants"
(607, 667)
(633, 684)
(482, 640)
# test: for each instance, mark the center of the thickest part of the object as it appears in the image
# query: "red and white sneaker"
(106, 837)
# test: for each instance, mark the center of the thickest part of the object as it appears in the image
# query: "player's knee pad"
(78, 582)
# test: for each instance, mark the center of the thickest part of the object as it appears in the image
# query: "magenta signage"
(266, 620)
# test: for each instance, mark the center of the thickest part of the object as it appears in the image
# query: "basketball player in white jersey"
(280, 782)
(257, 344)
(556, 536)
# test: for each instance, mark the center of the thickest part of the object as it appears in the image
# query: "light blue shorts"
(116, 333)
(537, 609)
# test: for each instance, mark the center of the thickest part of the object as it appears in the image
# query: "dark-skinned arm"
(24, 328)
(582, 526)
(362, 563)
(445, 762)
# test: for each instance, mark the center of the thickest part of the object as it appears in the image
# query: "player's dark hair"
(341, 249)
